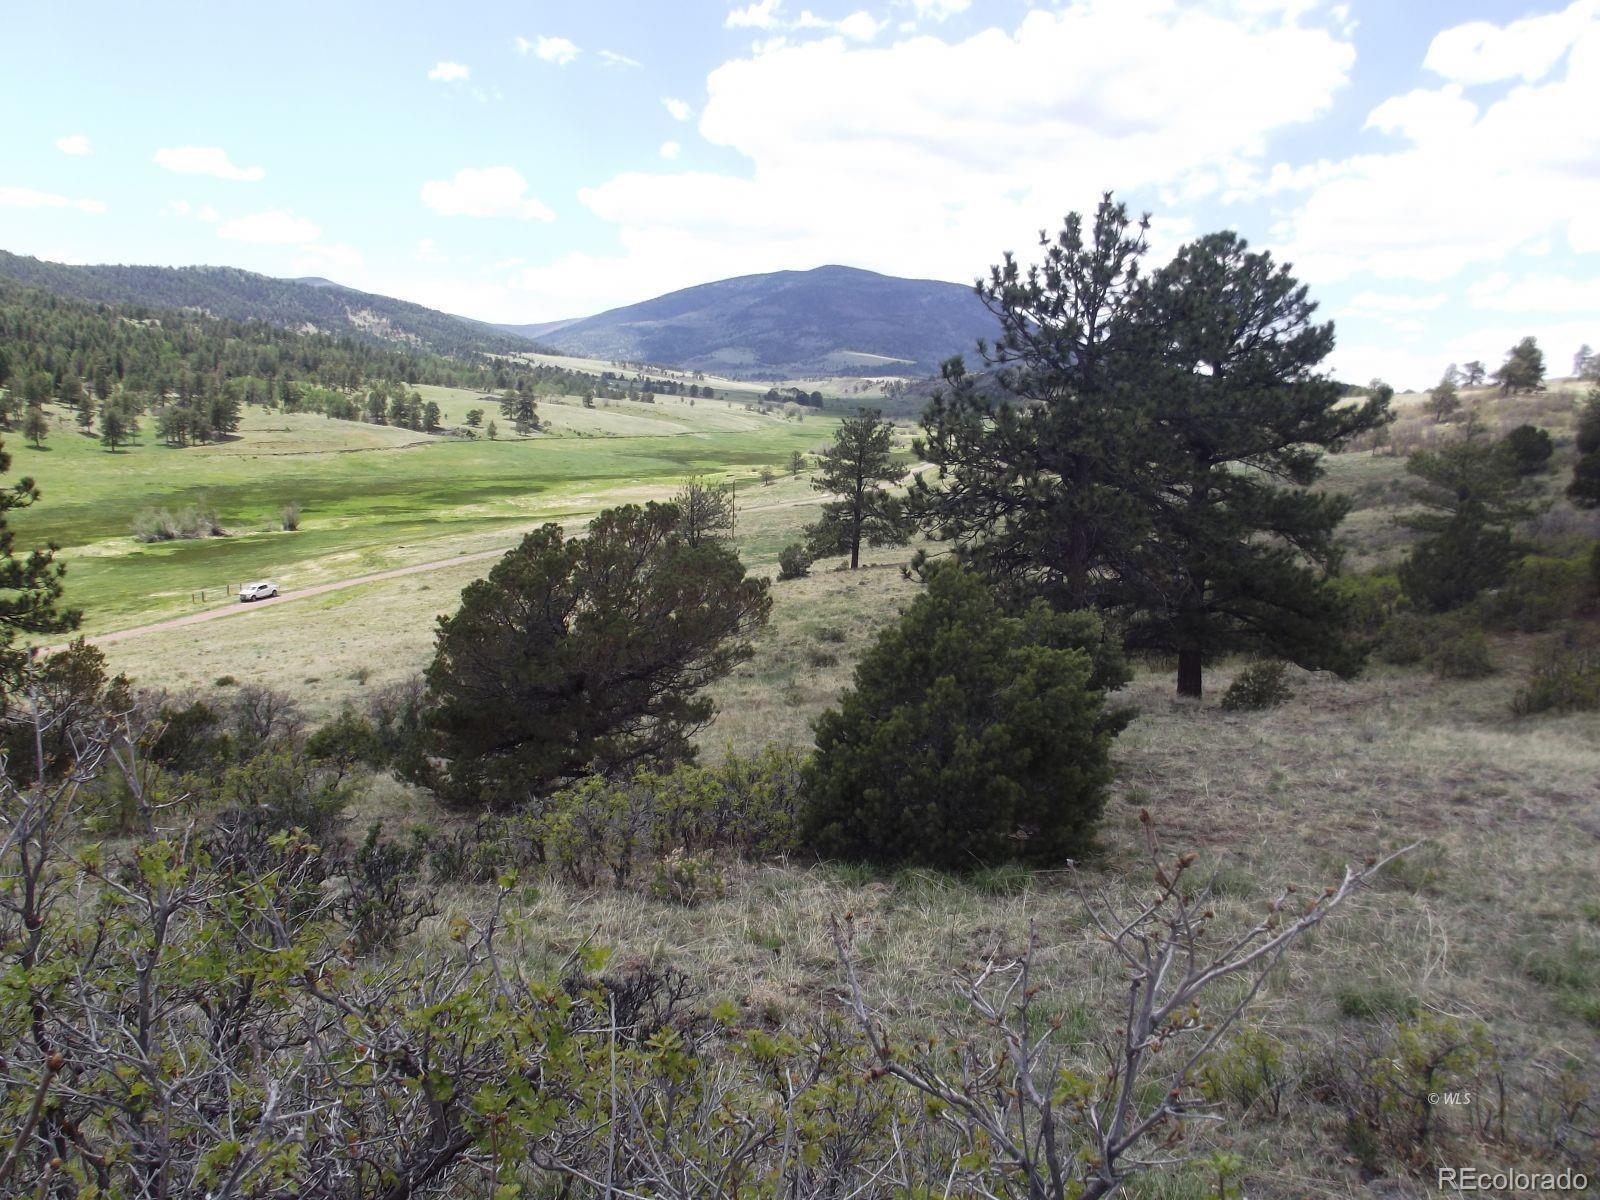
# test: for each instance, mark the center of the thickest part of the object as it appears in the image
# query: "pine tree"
(1033, 465)
(36, 426)
(706, 510)
(582, 654)
(1237, 421)
(1473, 374)
(30, 585)
(1468, 509)
(858, 468)
(113, 427)
(1523, 370)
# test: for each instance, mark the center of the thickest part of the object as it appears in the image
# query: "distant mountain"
(306, 305)
(787, 324)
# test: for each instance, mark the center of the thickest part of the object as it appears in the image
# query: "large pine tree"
(1037, 458)
(1236, 424)
(1147, 446)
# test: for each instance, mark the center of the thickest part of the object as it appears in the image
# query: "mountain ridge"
(829, 320)
(306, 304)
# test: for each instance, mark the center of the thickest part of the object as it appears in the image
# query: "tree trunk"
(855, 551)
(1189, 673)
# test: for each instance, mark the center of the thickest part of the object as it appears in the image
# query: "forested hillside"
(236, 295)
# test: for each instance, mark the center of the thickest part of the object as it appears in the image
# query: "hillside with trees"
(244, 296)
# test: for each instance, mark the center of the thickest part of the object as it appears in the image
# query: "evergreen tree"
(584, 654)
(1443, 400)
(969, 736)
(114, 427)
(1473, 374)
(36, 426)
(1466, 493)
(1237, 420)
(858, 468)
(1583, 361)
(1037, 472)
(1523, 370)
(521, 410)
(30, 585)
(1584, 490)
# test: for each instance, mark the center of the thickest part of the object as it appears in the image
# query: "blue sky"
(1431, 169)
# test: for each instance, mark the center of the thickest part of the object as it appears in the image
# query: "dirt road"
(322, 589)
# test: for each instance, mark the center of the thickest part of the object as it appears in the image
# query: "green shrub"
(1260, 685)
(969, 736)
(1249, 1073)
(1370, 600)
(1462, 653)
(1530, 449)
(1406, 639)
(687, 879)
(1543, 589)
(793, 562)
(1565, 678)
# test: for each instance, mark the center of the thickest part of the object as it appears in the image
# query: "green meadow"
(370, 497)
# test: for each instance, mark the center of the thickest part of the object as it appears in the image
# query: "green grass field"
(371, 497)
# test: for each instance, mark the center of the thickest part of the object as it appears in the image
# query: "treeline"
(194, 373)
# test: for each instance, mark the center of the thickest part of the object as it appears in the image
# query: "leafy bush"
(379, 905)
(1461, 653)
(794, 562)
(1406, 639)
(1371, 601)
(161, 525)
(969, 737)
(1543, 590)
(1530, 449)
(687, 879)
(1259, 686)
(1565, 678)
(603, 830)
(289, 517)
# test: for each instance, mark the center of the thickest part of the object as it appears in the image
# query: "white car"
(260, 590)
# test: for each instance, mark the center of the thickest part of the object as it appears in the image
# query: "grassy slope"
(1509, 812)
(371, 497)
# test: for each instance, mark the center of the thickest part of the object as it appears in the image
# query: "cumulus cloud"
(1535, 294)
(273, 227)
(963, 148)
(1470, 183)
(448, 72)
(21, 197)
(203, 212)
(75, 144)
(762, 14)
(679, 110)
(1383, 304)
(1482, 52)
(940, 10)
(670, 150)
(557, 50)
(485, 192)
(206, 160)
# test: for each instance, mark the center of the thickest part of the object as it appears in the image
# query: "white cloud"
(1482, 52)
(963, 149)
(448, 72)
(558, 50)
(204, 212)
(21, 197)
(1559, 294)
(75, 144)
(274, 227)
(670, 150)
(206, 160)
(1471, 183)
(857, 27)
(939, 10)
(485, 192)
(679, 109)
(612, 59)
(1384, 304)
(428, 251)
(762, 14)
